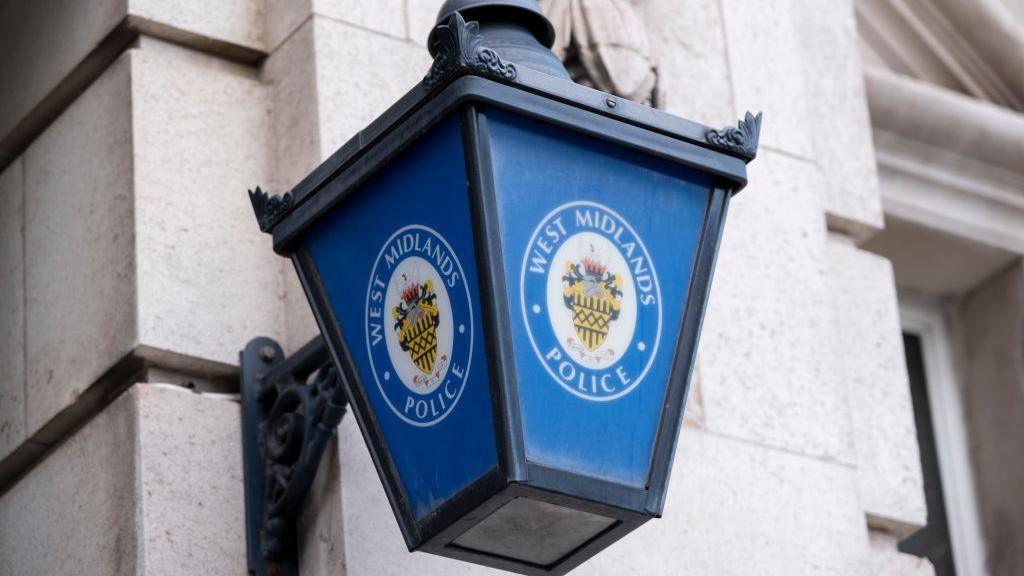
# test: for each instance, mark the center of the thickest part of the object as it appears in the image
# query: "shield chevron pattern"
(591, 316)
(594, 296)
(420, 339)
(417, 319)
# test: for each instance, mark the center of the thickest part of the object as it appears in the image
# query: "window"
(952, 539)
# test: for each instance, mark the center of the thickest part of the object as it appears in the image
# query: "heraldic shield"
(594, 295)
(416, 321)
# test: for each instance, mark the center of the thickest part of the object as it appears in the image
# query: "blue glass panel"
(599, 244)
(397, 262)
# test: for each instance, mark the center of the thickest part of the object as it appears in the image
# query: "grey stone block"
(791, 515)
(769, 69)
(870, 365)
(386, 16)
(42, 75)
(139, 235)
(839, 113)
(687, 38)
(32, 64)
(237, 22)
(765, 353)
(189, 487)
(373, 542)
(79, 247)
(321, 524)
(76, 513)
(738, 509)
(207, 278)
(290, 75)
(151, 486)
(282, 18)
(352, 62)
(422, 19)
(12, 309)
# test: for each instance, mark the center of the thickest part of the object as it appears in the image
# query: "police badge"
(421, 358)
(595, 297)
(589, 274)
(416, 321)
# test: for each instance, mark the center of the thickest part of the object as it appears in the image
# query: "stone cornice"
(947, 161)
(946, 120)
(971, 47)
(956, 195)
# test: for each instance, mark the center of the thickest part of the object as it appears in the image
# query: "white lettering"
(584, 218)
(538, 262)
(621, 372)
(375, 334)
(566, 370)
(392, 256)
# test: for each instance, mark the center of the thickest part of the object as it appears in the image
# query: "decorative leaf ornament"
(459, 48)
(742, 140)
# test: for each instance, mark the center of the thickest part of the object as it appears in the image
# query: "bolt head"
(267, 353)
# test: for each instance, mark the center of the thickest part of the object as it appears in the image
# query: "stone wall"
(991, 323)
(129, 255)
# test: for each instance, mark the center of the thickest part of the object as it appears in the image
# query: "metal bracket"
(290, 409)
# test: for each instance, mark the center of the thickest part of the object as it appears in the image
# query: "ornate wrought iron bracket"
(459, 49)
(290, 409)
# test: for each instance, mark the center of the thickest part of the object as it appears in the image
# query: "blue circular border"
(461, 308)
(547, 332)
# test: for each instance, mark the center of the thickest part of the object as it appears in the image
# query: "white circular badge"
(591, 301)
(419, 325)
(420, 343)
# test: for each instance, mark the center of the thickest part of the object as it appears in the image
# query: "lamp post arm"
(291, 407)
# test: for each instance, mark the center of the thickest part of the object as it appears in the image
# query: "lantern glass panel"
(396, 261)
(532, 531)
(599, 243)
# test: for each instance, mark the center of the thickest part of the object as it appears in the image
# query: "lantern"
(509, 271)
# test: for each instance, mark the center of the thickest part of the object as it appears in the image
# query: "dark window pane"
(932, 541)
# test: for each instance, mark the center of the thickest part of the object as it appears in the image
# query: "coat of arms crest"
(416, 321)
(594, 295)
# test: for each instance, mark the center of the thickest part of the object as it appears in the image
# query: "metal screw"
(611, 102)
(267, 354)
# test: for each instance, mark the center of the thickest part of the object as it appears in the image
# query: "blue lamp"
(509, 272)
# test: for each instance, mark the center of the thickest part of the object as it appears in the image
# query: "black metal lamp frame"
(467, 79)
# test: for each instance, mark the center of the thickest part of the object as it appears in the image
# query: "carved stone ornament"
(269, 209)
(604, 45)
(741, 140)
(459, 48)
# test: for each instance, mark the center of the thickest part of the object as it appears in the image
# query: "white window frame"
(925, 319)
